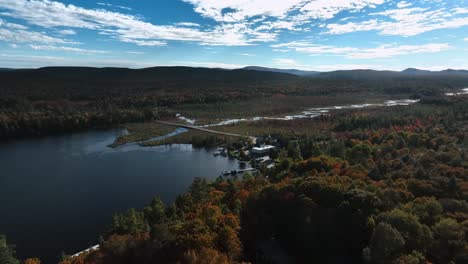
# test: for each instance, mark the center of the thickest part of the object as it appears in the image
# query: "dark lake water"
(59, 193)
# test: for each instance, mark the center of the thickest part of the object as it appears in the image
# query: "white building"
(264, 149)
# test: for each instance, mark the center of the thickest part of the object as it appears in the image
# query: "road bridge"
(254, 139)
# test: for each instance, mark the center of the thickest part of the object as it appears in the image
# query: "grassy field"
(194, 137)
(277, 105)
(142, 131)
(269, 127)
(294, 128)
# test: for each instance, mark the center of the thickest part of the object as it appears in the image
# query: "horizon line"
(234, 68)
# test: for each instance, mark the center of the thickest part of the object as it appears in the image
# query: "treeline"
(7, 254)
(46, 122)
(59, 99)
(388, 193)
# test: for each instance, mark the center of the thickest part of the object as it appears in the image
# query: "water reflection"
(59, 193)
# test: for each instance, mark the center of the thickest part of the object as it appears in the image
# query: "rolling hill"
(365, 73)
(288, 71)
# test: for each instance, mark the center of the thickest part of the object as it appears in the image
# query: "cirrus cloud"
(66, 49)
(405, 21)
(125, 27)
(382, 51)
(16, 33)
(238, 10)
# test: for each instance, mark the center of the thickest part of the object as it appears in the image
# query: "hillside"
(407, 73)
(367, 73)
(62, 99)
(71, 82)
(288, 71)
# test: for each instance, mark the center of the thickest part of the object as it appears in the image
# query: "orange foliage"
(242, 195)
(204, 256)
(32, 261)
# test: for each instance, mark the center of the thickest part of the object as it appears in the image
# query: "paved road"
(254, 139)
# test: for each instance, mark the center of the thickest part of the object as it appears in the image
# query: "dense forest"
(62, 99)
(376, 185)
(372, 186)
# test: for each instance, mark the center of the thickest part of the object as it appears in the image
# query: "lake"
(59, 193)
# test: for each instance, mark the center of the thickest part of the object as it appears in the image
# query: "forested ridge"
(63, 99)
(373, 186)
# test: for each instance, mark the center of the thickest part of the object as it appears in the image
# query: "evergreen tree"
(7, 253)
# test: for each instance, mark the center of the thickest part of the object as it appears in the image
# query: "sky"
(321, 35)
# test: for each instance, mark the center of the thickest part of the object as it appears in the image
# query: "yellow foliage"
(32, 261)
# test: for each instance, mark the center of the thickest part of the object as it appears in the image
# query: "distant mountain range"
(365, 73)
(191, 73)
(144, 74)
(173, 85)
(408, 73)
(414, 71)
(288, 71)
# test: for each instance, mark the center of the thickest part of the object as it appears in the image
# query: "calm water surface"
(59, 193)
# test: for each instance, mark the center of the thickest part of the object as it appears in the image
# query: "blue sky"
(305, 34)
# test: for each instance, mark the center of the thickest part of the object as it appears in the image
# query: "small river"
(59, 193)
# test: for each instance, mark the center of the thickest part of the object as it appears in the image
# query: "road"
(254, 139)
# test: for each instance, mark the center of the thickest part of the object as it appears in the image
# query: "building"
(263, 149)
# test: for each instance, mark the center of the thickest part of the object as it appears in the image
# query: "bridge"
(253, 139)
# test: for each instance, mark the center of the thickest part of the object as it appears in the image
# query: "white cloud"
(187, 24)
(465, 39)
(404, 22)
(286, 62)
(382, 51)
(326, 9)
(403, 4)
(29, 61)
(239, 10)
(281, 50)
(142, 42)
(67, 49)
(210, 64)
(12, 26)
(461, 10)
(135, 52)
(67, 32)
(272, 17)
(268, 25)
(294, 64)
(127, 28)
(237, 23)
(309, 48)
(117, 6)
(386, 51)
(16, 33)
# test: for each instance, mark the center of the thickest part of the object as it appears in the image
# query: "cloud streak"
(382, 51)
(15, 33)
(239, 10)
(28, 61)
(66, 49)
(127, 28)
(404, 22)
